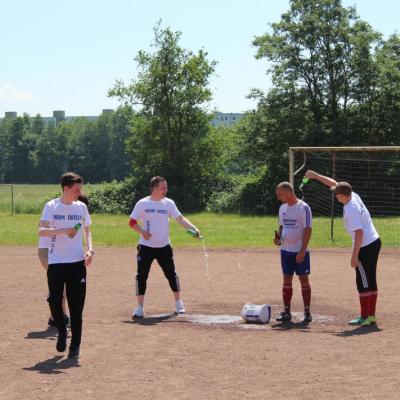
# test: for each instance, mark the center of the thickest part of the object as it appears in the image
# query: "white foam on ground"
(237, 320)
(213, 319)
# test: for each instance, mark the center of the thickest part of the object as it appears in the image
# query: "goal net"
(6, 198)
(373, 172)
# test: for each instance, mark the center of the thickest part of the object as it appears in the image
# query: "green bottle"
(193, 233)
(76, 227)
(304, 182)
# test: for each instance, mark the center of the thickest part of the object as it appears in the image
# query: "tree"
(171, 132)
(324, 49)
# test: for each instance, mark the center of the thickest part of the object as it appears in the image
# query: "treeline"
(336, 82)
(33, 151)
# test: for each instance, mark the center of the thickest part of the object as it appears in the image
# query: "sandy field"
(209, 353)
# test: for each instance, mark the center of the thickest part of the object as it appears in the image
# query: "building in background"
(220, 118)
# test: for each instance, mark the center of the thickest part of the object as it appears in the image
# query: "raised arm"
(326, 180)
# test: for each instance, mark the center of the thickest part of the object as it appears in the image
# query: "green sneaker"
(357, 321)
(371, 320)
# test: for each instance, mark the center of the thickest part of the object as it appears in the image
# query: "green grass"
(29, 199)
(219, 230)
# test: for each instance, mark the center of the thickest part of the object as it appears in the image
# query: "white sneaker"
(138, 313)
(180, 307)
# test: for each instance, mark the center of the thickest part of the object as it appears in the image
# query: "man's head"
(71, 185)
(158, 187)
(342, 191)
(285, 193)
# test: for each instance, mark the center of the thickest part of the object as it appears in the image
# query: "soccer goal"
(373, 172)
(6, 198)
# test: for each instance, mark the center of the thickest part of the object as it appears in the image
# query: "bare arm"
(137, 228)
(45, 230)
(181, 220)
(87, 234)
(306, 239)
(356, 247)
(326, 180)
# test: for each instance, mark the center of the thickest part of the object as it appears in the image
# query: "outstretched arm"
(326, 180)
(181, 220)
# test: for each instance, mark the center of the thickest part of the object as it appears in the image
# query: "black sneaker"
(67, 321)
(73, 351)
(51, 323)
(61, 341)
(307, 316)
(284, 316)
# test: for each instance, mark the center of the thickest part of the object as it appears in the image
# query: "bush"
(113, 198)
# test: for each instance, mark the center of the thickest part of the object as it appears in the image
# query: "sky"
(66, 55)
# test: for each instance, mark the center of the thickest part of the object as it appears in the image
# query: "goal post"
(373, 172)
(7, 198)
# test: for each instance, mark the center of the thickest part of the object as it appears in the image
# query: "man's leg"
(303, 270)
(288, 260)
(56, 280)
(368, 257)
(76, 294)
(165, 259)
(306, 294)
(145, 257)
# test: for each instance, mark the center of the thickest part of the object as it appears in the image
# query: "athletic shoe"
(357, 321)
(51, 323)
(307, 316)
(73, 351)
(180, 307)
(371, 320)
(284, 316)
(138, 313)
(67, 321)
(61, 341)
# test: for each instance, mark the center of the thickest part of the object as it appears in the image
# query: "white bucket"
(256, 313)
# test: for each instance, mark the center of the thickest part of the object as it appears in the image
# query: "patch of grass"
(29, 199)
(219, 230)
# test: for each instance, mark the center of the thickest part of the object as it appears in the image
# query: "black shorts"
(366, 270)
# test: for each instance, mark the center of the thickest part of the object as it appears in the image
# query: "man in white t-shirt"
(43, 254)
(293, 235)
(366, 245)
(154, 212)
(62, 220)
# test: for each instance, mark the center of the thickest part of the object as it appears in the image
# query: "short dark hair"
(342, 188)
(69, 178)
(155, 180)
(285, 186)
(84, 199)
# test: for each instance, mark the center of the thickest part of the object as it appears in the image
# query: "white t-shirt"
(356, 216)
(44, 242)
(63, 249)
(155, 219)
(294, 219)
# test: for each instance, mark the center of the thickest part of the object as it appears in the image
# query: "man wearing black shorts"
(63, 220)
(366, 245)
(154, 212)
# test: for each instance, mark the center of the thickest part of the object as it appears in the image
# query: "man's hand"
(354, 262)
(70, 232)
(146, 235)
(88, 258)
(300, 257)
(310, 174)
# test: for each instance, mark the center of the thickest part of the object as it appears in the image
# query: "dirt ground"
(204, 354)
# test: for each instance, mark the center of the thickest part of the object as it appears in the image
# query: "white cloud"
(9, 92)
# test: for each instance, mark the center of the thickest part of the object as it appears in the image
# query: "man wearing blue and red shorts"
(294, 233)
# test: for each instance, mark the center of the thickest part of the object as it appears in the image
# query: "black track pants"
(73, 275)
(165, 259)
